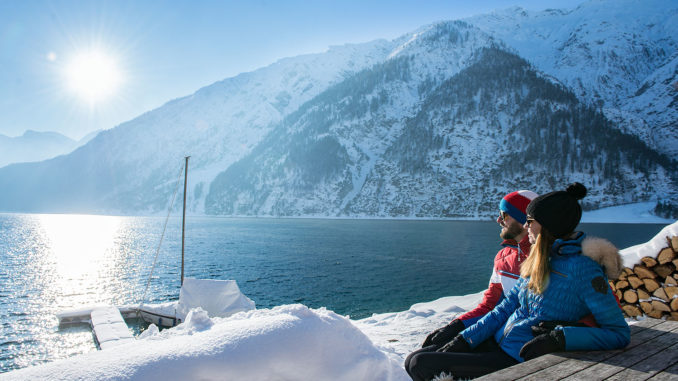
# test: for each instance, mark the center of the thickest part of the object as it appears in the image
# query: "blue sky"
(162, 50)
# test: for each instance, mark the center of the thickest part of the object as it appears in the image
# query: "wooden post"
(183, 220)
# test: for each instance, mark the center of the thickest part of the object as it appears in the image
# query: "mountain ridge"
(606, 51)
(271, 182)
(35, 146)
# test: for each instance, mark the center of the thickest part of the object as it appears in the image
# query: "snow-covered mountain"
(616, 55)
(438, 149)
(36, 146)
(438, 123)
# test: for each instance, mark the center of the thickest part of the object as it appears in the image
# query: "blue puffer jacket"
(577, 287)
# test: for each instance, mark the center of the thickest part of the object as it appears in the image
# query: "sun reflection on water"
(82, 253)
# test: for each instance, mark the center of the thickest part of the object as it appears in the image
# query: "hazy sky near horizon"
(78, 66)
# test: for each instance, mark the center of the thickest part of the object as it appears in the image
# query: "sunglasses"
(503, 215)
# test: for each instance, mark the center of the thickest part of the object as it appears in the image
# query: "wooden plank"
(533, 366)
(525, 368)
(650, 365)
(668, 374)
(619, 362)
(639, 334)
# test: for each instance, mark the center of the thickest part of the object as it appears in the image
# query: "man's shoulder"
(508, 259)
(508, 248)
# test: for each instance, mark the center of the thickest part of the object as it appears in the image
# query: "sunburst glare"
(93, 75)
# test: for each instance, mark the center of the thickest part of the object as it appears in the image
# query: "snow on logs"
(651, 287)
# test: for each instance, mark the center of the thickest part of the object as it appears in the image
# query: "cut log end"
(651, 285)
(649, 261)
(621, 285)
(634, 281)
(660, 306)
(674, 244)
(674, 305)
(643, 272)
(664, 270)
(631, 310)
(630, 296)
(666, 255)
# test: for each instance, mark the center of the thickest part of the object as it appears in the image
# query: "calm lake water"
(52, 263)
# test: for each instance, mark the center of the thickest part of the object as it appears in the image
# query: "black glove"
(443, 335)
(458, 344)
(553, 341)
(548, 326)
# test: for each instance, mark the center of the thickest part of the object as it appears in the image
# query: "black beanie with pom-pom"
(559, 212)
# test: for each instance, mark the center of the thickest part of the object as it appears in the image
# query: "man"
(506, 271)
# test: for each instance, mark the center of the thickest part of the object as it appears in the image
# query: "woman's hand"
(554, 341)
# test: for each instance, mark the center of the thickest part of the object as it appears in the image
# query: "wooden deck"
(651, 355)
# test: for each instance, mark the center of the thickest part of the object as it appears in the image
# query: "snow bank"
(398, 334)
(638, 213)
(633, 254)
(289, 342)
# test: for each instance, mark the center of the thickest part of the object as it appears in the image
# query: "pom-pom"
(576, 190)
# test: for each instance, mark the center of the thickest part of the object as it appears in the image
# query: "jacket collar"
(598, 249)
(568, 247)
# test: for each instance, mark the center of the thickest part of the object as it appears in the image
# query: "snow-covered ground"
(639, 213)
(290, 342)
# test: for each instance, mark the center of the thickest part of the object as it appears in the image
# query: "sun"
(93, 76)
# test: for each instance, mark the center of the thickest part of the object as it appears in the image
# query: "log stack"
(650, 288)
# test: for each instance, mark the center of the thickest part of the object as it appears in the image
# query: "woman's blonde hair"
(537, 267)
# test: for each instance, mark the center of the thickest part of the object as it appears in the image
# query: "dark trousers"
(425, 363)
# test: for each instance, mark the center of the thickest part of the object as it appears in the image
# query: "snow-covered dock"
(84, 315)
(109, 328)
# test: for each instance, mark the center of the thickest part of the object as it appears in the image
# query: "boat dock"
(651, 355)
(108, 326)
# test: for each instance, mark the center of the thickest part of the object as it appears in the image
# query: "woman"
(563, 279)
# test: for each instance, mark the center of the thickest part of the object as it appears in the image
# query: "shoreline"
(634, 213)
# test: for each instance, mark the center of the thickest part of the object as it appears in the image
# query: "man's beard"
(511, 231)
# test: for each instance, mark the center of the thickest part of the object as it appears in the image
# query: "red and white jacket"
(505, 275)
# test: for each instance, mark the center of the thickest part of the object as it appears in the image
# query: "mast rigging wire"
(162, 236)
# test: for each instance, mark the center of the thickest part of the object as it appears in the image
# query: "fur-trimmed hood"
(605, 253)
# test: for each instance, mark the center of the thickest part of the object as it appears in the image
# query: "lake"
(52, 263)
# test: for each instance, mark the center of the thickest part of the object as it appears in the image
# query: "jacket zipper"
(508, 329)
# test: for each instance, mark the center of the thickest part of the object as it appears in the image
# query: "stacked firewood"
(651, 287)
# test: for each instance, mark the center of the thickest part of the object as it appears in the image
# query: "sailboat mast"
(183, 220)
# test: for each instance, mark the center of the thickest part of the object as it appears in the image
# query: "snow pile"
(290, 342)
(632, 255)
(398, 334)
